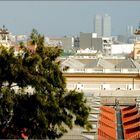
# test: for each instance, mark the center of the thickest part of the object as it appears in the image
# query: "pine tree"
(48, 112)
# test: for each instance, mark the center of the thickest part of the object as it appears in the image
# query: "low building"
(102, 74)
(136, 52)
(67, 43)
(85, 40)
(91, 41)
(105, 81)
(107, 44)
(121, 49)
(21, 38)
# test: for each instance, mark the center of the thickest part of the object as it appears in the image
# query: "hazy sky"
(59, 18)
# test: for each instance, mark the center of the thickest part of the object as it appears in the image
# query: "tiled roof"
(100, 63)
(126, 63)
(130, 112)
(131, 123)
(72, 63)
(107, 124)
(136, 64)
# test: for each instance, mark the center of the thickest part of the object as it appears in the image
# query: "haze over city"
(59, 18)
(70, 70)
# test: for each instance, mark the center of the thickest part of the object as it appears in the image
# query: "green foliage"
(21, 44)
(7, 98)
(47, 112)
(34, 36)
(65, 54)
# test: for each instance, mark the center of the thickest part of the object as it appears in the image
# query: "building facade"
(103, 25)
(107, 43)
(106, 26)
(91, 41)
(85, 40)
(67, 43)
(103, 74)
(98, 25)
(130, 30)
(4, 37)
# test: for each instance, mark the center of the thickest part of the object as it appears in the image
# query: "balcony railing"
(92, 70)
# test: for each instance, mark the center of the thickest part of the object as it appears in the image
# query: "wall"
(85, 40)
(99, 82)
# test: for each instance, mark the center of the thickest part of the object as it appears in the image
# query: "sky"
(60, 18)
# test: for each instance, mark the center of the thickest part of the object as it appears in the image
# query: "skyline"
(60, 18)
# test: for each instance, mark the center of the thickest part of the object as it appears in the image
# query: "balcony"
(109, 71)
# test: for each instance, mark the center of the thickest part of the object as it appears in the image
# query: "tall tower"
(98, 25)
(4, 37)
(130, 30)
(106, 26)
(4, 34)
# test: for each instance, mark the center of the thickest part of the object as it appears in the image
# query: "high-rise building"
(106, 26)
(130, 30)
(103, 25)
(98, 25)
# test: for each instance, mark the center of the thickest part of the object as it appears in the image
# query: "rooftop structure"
(4, 30)
(107, 124)
(119, 124)
(4, 37)
(101, 74)
(67, 43)
(101, 64)
(137, 32)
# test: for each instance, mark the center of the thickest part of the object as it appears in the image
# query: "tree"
(7, 97)
(34, 36)
(48, 112)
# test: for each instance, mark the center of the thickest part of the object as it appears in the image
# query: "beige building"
(103, 80)
(102, 74)
(137, 50)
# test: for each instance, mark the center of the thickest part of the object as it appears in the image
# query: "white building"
(107, 43)
(121, 48)
(4, 37)
(86, 51)
(21, 38)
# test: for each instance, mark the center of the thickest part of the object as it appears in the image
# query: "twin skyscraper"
(102, 25)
